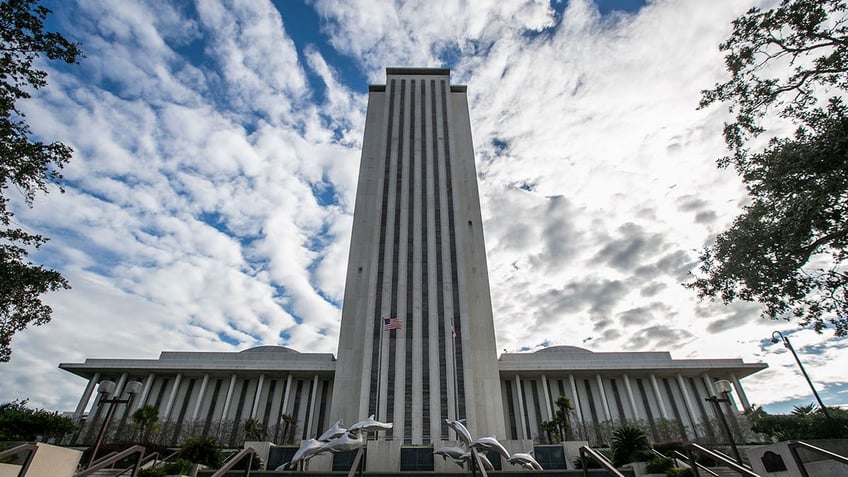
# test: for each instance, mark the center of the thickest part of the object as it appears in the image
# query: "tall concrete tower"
(417, 255)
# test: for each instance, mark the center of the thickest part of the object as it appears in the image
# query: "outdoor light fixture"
(724, 388)
(107, 388)
(777, 337)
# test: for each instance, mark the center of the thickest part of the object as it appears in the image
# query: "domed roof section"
(564, 349)
(269, 349)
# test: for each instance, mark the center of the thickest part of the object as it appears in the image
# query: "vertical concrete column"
(86, 396)
(708, 382)
(200, 396)
(119, 388)
(629, 387)
(743, 398)
(576, 400)
(255, 405)
(229, 397)
(523, 420)
(687, 400)
(546, 391)
(145, 390)
(166, 416)
(603, 396)
(286, 394)
(310, 425)
(658, 394)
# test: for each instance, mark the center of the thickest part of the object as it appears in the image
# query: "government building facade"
(417, 340)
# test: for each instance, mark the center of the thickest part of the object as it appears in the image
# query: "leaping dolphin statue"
(525, 460)
(335, 431)
(346, 442)
(308, 449)
(452, 452)
(370, 425)
(461, 431)
(490, 443)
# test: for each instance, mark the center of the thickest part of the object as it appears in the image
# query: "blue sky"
(209, 202)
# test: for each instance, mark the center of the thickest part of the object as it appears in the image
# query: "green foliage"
(145, 418)
(802, 426)
(803, 410)
(254, 430)
(658, 465)
(152, 472)
(551, 430)
(629, 444)
(789, 248)
(202, 450)
(178, 467)
(26, 165)
(677, 472)
(21, 423)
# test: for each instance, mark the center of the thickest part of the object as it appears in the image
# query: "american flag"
(392, 324)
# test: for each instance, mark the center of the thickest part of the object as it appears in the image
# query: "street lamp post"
(106, 388)
(778, 336)
(724, 388)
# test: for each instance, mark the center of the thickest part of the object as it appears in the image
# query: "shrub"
(659, 465)
(677, 472)
(21, 423)
(202, 450)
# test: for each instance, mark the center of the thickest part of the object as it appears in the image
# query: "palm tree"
(807, 410)
(254, 430)
(144, 418)
(562, 419)
(628, 442)
(551, 428)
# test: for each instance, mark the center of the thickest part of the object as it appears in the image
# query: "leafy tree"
(789, 248)
(21, 423)
(144, 418)
(26, 164)
(815, 425)
(629, 444)
(551, 428)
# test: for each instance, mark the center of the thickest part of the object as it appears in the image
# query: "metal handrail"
(684, 459)
(103, 463)
(599, 458)
(247, 451)
(107, 456)
(690, 447)
(793, 449)
(31, 448)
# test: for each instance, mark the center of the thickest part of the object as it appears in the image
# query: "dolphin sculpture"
(370, 425)
(525, 460)
(335, 431)
(461, 431)
(452, 452)
(346, 442)
(490, 443)
(308, 449)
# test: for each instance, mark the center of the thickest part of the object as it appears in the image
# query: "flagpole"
(380, 368)
(455, 379)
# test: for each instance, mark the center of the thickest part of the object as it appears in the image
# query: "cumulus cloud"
(210, 199)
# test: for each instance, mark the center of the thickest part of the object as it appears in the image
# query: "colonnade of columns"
(208, 400)
(605, 398)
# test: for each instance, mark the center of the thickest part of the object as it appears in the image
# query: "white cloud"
(211, 192)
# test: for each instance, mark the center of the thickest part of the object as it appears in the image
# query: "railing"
(228, 465)
(682, 457)
(795, 445)
(30, 448)
(356, 467)
(599, 458)
(691, 448)
(112, 458)
(147, 458)
(477, 463)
